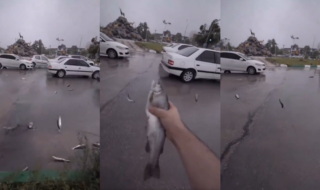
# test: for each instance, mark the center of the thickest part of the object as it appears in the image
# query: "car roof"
(230, 52)
(8, 54)
(204, 49)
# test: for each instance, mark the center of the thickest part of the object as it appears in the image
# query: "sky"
(49, 19)
(155, 11)
(278, 19)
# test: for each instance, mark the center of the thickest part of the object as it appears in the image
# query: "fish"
(22, 78)
(30, 126)
(80, 146)
(155, 132)
(237, 96)
(281, 103)
(59, 124)
(25, 169)
(196, 97)
(129, 99)
(97, 144)
(60, 159)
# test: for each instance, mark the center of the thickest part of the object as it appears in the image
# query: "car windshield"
(61, 60)
(105, 37)
(244, 56)
(187, 51)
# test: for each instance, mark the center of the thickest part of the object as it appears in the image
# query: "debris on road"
(22, 78)
(237, 96)
(59, 123)
(30, 126)
(196, 97)
(60, 159)
(25, 169)
(281, 103)
(11, 128)
(129, 99)
(80, 146)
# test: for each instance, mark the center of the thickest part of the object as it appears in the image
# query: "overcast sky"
(155, 11)
(278, 19)
(48, 20)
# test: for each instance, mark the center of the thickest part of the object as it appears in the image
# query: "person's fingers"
(171, 106)
(158, 112)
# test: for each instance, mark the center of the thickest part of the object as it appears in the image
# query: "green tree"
(315, 54)
(268, 45)
(74, 50)
(84, 52)
(38, 46)
(273, 46)
(212, 34)
(306, 50)
(178, 37)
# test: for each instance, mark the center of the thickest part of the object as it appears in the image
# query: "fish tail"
(150, 171)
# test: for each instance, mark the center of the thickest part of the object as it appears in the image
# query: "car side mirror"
(91, 64)
(241, 59)
(17, 59)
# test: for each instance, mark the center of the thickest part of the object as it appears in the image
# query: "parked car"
(39, 60)
(112, 48)
(73, 66)
(192, 63)
(175, 47)
(83, 58)
(14, 61)
(236, 61)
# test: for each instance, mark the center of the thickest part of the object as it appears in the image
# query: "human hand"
(170, 119)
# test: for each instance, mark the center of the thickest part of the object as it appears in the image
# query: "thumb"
(157, 112)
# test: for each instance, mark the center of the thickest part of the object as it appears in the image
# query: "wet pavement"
(123, 123)
(29, 96)
(280, 148)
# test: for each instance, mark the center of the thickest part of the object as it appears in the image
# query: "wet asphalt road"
(33, 99)
(123, 123)
(281, 148)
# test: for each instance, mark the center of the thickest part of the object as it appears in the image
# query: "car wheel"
(61, 73)
(187, 75)
(96, 75)
(251, 70)
(112, 53)
(227, 71)
(23, 67)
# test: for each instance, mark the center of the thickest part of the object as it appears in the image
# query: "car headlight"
(121, 47)
(259, 64)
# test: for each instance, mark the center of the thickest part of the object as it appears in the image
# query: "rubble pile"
(20, 47)
(253, 47)
(121, 28)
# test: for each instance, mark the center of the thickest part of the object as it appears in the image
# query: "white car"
(112, 48)
(39, 60)
(192, 63)
(14, 61)
(83, 58)
(235, 61)
(72, 66)
(175, 47)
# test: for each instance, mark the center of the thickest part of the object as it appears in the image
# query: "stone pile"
(20, 47)
(121, 28)
(253, 47)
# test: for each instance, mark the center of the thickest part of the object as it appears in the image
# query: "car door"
(84, 68)
(14, 61)
(44, 61)
(206, 66)
(238, 65)
(71, 67)
(103, 46)
(37, 60)
(5, 61)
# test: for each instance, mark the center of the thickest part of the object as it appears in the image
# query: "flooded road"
(280, 149)
(123, 123)
(29, 96)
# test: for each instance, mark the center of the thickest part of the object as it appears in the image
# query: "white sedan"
(112, 48)
(235, 61)
(175, 47)
(72, 66)
(14, 61)
(192, 63)
(39, 60)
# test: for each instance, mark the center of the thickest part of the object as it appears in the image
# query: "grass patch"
(292, 62)
(86, 178)
(148, 45)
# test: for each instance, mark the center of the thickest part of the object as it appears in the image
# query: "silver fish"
(60, 159)
(79, 146)
(129, 99)
(155, 132)
(237, 96)
(25, 169)
(59, 124)
(97, 144)
(196, 97)
(30, 126)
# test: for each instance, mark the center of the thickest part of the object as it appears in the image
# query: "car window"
(174, 45)
(82, 63)
(71, 62)
(217, 57)
(61, 60)
(37, 57)
(230, 56)
(10, 57)
(187, 51)
(44, 58)
(183, 46)
(84, 58)
(206, 56)
(4, 56)
(105, 37)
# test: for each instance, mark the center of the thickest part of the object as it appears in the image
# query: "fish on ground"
(59, 124)
(155, 132)
(80, 146)
(237, 96)
(129, 99)
(60, 159)
(281, 103)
